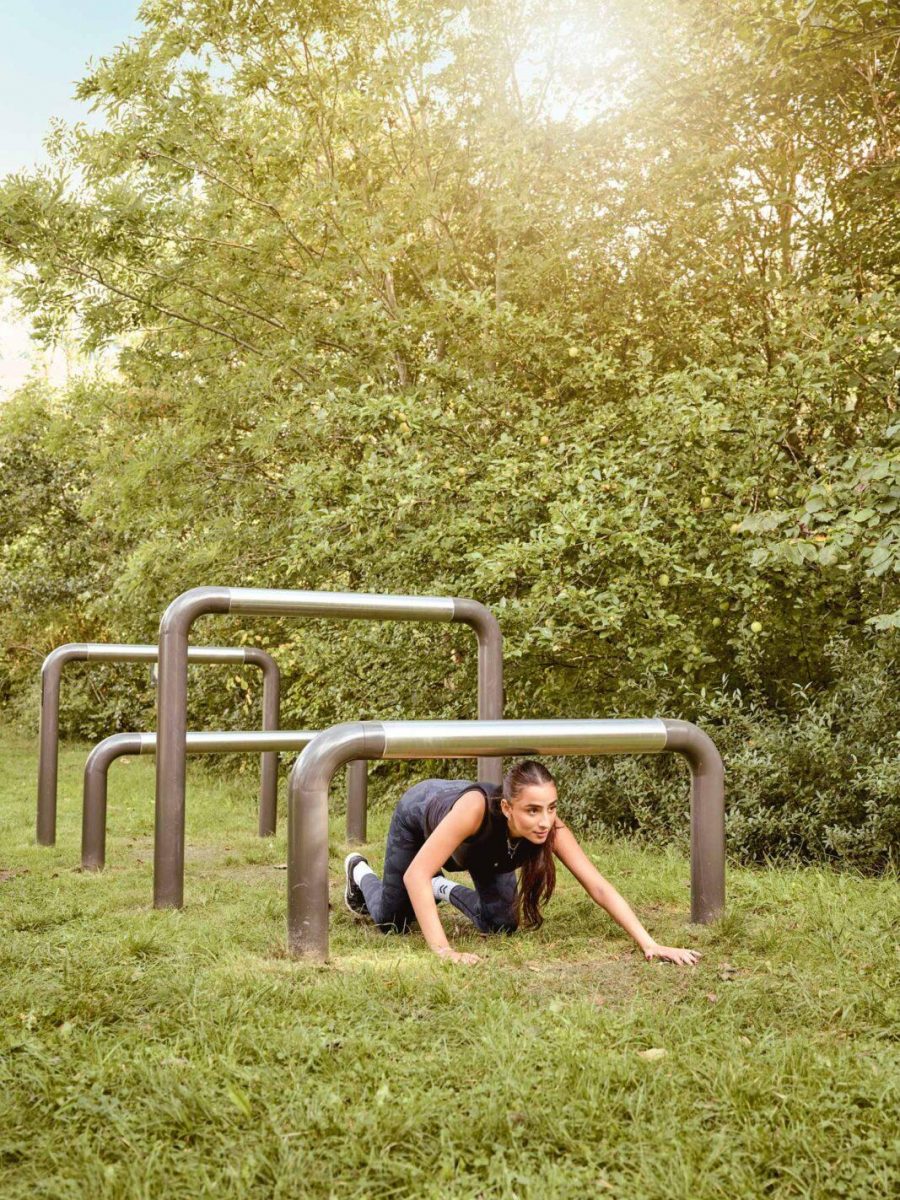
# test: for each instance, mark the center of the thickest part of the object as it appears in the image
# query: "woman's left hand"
(673, 954)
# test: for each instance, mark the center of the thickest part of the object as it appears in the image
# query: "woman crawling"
(492, 832)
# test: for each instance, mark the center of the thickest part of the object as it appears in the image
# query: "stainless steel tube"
(357, 800)
(171, 733)
(470, 739)
(51, 675)
(310, 778)
(346, 605)
(271, 705)
(96, 771)
(168, 877)
(490, 673)
(48, 749)
(93, 812)
(307, 883)
(707, 817)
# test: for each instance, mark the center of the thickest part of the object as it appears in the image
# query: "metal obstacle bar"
(307, 860)
(174, 628)
(104, 754)
(51, 675)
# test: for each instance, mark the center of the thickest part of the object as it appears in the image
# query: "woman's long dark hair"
(538, 876)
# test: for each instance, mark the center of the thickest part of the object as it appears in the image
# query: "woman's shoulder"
(457, 788)
(439, 796)
(493, 791)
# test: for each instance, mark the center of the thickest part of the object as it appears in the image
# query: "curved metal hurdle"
(307, 865)
(104, 754)
(168, 854)
(51, 676)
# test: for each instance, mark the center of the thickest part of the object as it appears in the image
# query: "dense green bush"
(404, 303)
(818, 781)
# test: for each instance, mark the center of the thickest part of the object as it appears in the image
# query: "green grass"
(181, 1054)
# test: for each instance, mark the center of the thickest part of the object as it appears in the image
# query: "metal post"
(51, 675)
(171, 734)
(96, 771)
(310, 778)
(307, 851)
(357, 800)
(271, 705)
(48, 749)
(490, 674)
(93, 813)
(168, 878)
(707, 818)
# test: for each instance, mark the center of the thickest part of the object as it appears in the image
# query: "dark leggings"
(490, 906)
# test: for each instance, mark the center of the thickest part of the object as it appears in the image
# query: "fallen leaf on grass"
(712, 997)
(653, 1053)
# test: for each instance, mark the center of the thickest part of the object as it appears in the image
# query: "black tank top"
(490, 850)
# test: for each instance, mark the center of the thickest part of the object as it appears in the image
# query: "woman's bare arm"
(569, 853)
(461, 822)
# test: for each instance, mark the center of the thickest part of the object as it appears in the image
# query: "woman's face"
(532, 813)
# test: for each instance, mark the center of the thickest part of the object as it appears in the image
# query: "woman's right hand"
(455, 956)
(672, 954)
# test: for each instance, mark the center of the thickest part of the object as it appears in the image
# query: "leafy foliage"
(822, 785)
(584, 310)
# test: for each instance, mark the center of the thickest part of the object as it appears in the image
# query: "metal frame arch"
(51, 681)
(105, 753)
(174, 629)
(307, 882)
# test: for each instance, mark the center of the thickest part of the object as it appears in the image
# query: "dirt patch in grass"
(142, 849)
(611, 981)
(205, 853)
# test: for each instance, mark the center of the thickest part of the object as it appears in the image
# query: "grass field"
(181, 1054)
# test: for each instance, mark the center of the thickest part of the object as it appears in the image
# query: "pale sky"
(44, 48)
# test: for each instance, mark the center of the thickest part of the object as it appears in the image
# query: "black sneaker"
(353, 893)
